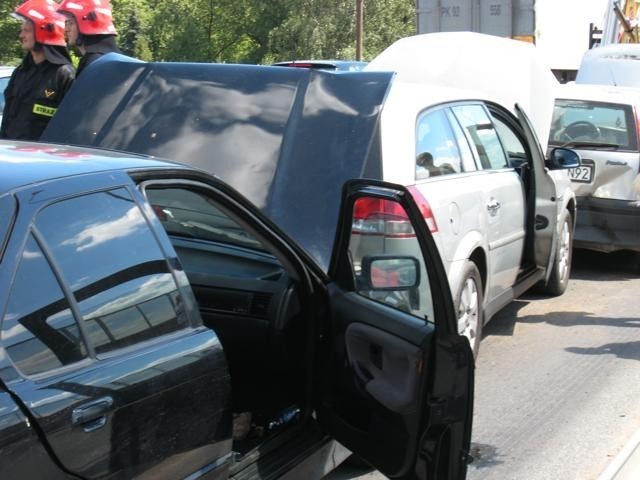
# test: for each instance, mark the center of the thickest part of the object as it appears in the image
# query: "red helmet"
(94, 17)
(49, 25)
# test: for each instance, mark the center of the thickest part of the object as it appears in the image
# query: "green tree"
(10, 51)
(326, 28)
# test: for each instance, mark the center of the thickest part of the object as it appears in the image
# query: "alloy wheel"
(468, 310)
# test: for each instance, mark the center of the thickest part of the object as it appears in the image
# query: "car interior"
(247, 297)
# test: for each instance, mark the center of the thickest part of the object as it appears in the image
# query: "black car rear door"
(397, 379)
(99, 341)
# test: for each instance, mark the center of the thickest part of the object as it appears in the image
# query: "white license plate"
(583, 174)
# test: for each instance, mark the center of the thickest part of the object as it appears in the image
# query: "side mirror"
(562, 158)
(390, 272)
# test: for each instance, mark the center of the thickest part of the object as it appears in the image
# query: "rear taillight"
(424, 207)
(376, 216)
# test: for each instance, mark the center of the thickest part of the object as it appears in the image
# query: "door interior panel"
(384, 364)
(380, 360)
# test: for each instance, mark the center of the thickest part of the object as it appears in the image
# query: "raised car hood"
(286, 138)
(483, 67)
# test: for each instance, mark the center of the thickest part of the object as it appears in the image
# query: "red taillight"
(376, 216)
(424, 207)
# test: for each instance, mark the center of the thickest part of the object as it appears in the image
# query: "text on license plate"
(583, 173)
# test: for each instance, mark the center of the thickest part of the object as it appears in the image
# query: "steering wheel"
(580, 129)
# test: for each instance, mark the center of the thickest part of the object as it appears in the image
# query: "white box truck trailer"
(559, 28)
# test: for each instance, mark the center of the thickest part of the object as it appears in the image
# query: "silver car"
(5, 75)
(601, 123)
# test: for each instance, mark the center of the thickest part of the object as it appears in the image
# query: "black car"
(155, 324)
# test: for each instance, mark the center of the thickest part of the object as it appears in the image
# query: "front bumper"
(607, 225)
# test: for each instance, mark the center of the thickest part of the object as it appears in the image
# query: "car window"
(387, 262)
(115, 268)
(516, 150)
(482, 135)
(39, 331)
(598, 122)
(468, 162)
(4, 81)
(436, 147)
(188, 213)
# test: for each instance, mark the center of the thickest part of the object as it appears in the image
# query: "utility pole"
(359, 28)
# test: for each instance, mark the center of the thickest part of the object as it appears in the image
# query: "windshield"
(596, 123)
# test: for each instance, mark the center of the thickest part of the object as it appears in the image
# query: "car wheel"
(561, 269)
(468, 302)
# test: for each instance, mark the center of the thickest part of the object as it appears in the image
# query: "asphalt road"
(557, 379)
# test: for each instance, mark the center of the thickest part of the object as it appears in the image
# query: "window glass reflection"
(115, 267)
(386, 258)
(188, 213)
(39, 331)
(484, 138)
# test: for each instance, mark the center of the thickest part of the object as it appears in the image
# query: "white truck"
(560, 30)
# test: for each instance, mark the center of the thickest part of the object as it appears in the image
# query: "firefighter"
(89, 29)
(40, 82)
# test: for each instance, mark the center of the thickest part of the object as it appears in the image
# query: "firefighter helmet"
(94, 17)
(48, 24)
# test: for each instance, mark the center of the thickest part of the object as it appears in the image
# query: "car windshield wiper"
(594, 145)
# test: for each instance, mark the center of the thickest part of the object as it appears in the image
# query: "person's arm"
(65, 76)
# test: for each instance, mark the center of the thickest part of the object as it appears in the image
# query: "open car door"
(397, 384)
(546, 201)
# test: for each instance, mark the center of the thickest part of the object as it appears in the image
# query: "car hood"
(287, 139)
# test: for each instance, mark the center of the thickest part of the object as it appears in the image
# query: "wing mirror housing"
(389, 273)
(563, 158)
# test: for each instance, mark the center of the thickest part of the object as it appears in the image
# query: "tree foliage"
(241, 31)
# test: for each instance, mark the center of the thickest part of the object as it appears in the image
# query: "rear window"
(597, 122)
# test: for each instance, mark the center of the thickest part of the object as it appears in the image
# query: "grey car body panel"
(262, 130)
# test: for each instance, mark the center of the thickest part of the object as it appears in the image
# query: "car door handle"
(493, 206)
(92, 415)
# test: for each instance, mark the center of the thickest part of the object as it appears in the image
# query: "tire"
(635, 262)
(468, 305)
(561, 269)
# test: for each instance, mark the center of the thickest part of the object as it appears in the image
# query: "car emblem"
(49, 93)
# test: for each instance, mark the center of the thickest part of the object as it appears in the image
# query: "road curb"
(626, 465)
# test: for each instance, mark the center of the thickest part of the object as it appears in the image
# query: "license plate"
(582, 174)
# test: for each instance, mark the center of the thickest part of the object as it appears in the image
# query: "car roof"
(615, 64)
(599, 93)
(479, 66)
(5, 71)
(26, 163)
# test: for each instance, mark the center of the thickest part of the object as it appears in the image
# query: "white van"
(616, 64)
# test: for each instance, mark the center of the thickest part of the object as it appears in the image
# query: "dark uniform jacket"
(95, 46)
(33, 95)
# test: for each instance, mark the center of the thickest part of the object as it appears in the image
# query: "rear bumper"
(607, 225)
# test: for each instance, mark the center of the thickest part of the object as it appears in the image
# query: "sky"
(562, 29)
